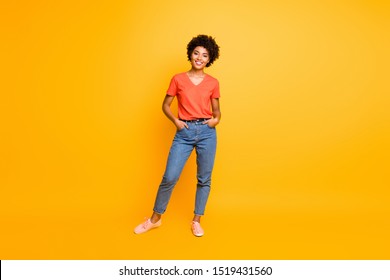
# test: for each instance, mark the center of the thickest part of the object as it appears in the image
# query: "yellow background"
(303, 153)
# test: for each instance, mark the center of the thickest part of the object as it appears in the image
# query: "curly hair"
(206, 42)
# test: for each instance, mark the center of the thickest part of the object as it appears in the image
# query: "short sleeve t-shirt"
(194, 101)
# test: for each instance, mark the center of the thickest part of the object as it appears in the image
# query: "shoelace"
(146, 223)
(196, 227)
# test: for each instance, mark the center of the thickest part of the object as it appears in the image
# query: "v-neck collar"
(188, 77)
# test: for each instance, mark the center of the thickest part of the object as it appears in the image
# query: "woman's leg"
(178, 155)
(205, 151)
(205, 154)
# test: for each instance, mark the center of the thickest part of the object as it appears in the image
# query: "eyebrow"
(204, 53)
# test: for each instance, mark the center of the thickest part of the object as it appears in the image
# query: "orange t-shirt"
(194, 100)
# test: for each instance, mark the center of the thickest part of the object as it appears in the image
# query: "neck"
(195, 72)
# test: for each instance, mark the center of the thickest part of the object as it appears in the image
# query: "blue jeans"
(204, 139)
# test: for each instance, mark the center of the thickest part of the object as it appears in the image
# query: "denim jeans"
(204, 139)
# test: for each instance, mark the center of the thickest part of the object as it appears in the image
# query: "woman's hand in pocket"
(212, 122)
(180, 125)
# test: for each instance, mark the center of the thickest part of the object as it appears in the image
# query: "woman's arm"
(166, 107)
(216, 113)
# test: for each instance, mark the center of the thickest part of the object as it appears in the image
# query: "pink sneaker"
(146, 226)
(197, 230)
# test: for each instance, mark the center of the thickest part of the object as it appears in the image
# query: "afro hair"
(206, 42)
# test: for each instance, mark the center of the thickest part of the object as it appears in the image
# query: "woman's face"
(199, 58)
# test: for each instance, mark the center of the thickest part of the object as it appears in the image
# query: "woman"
(198, 115)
